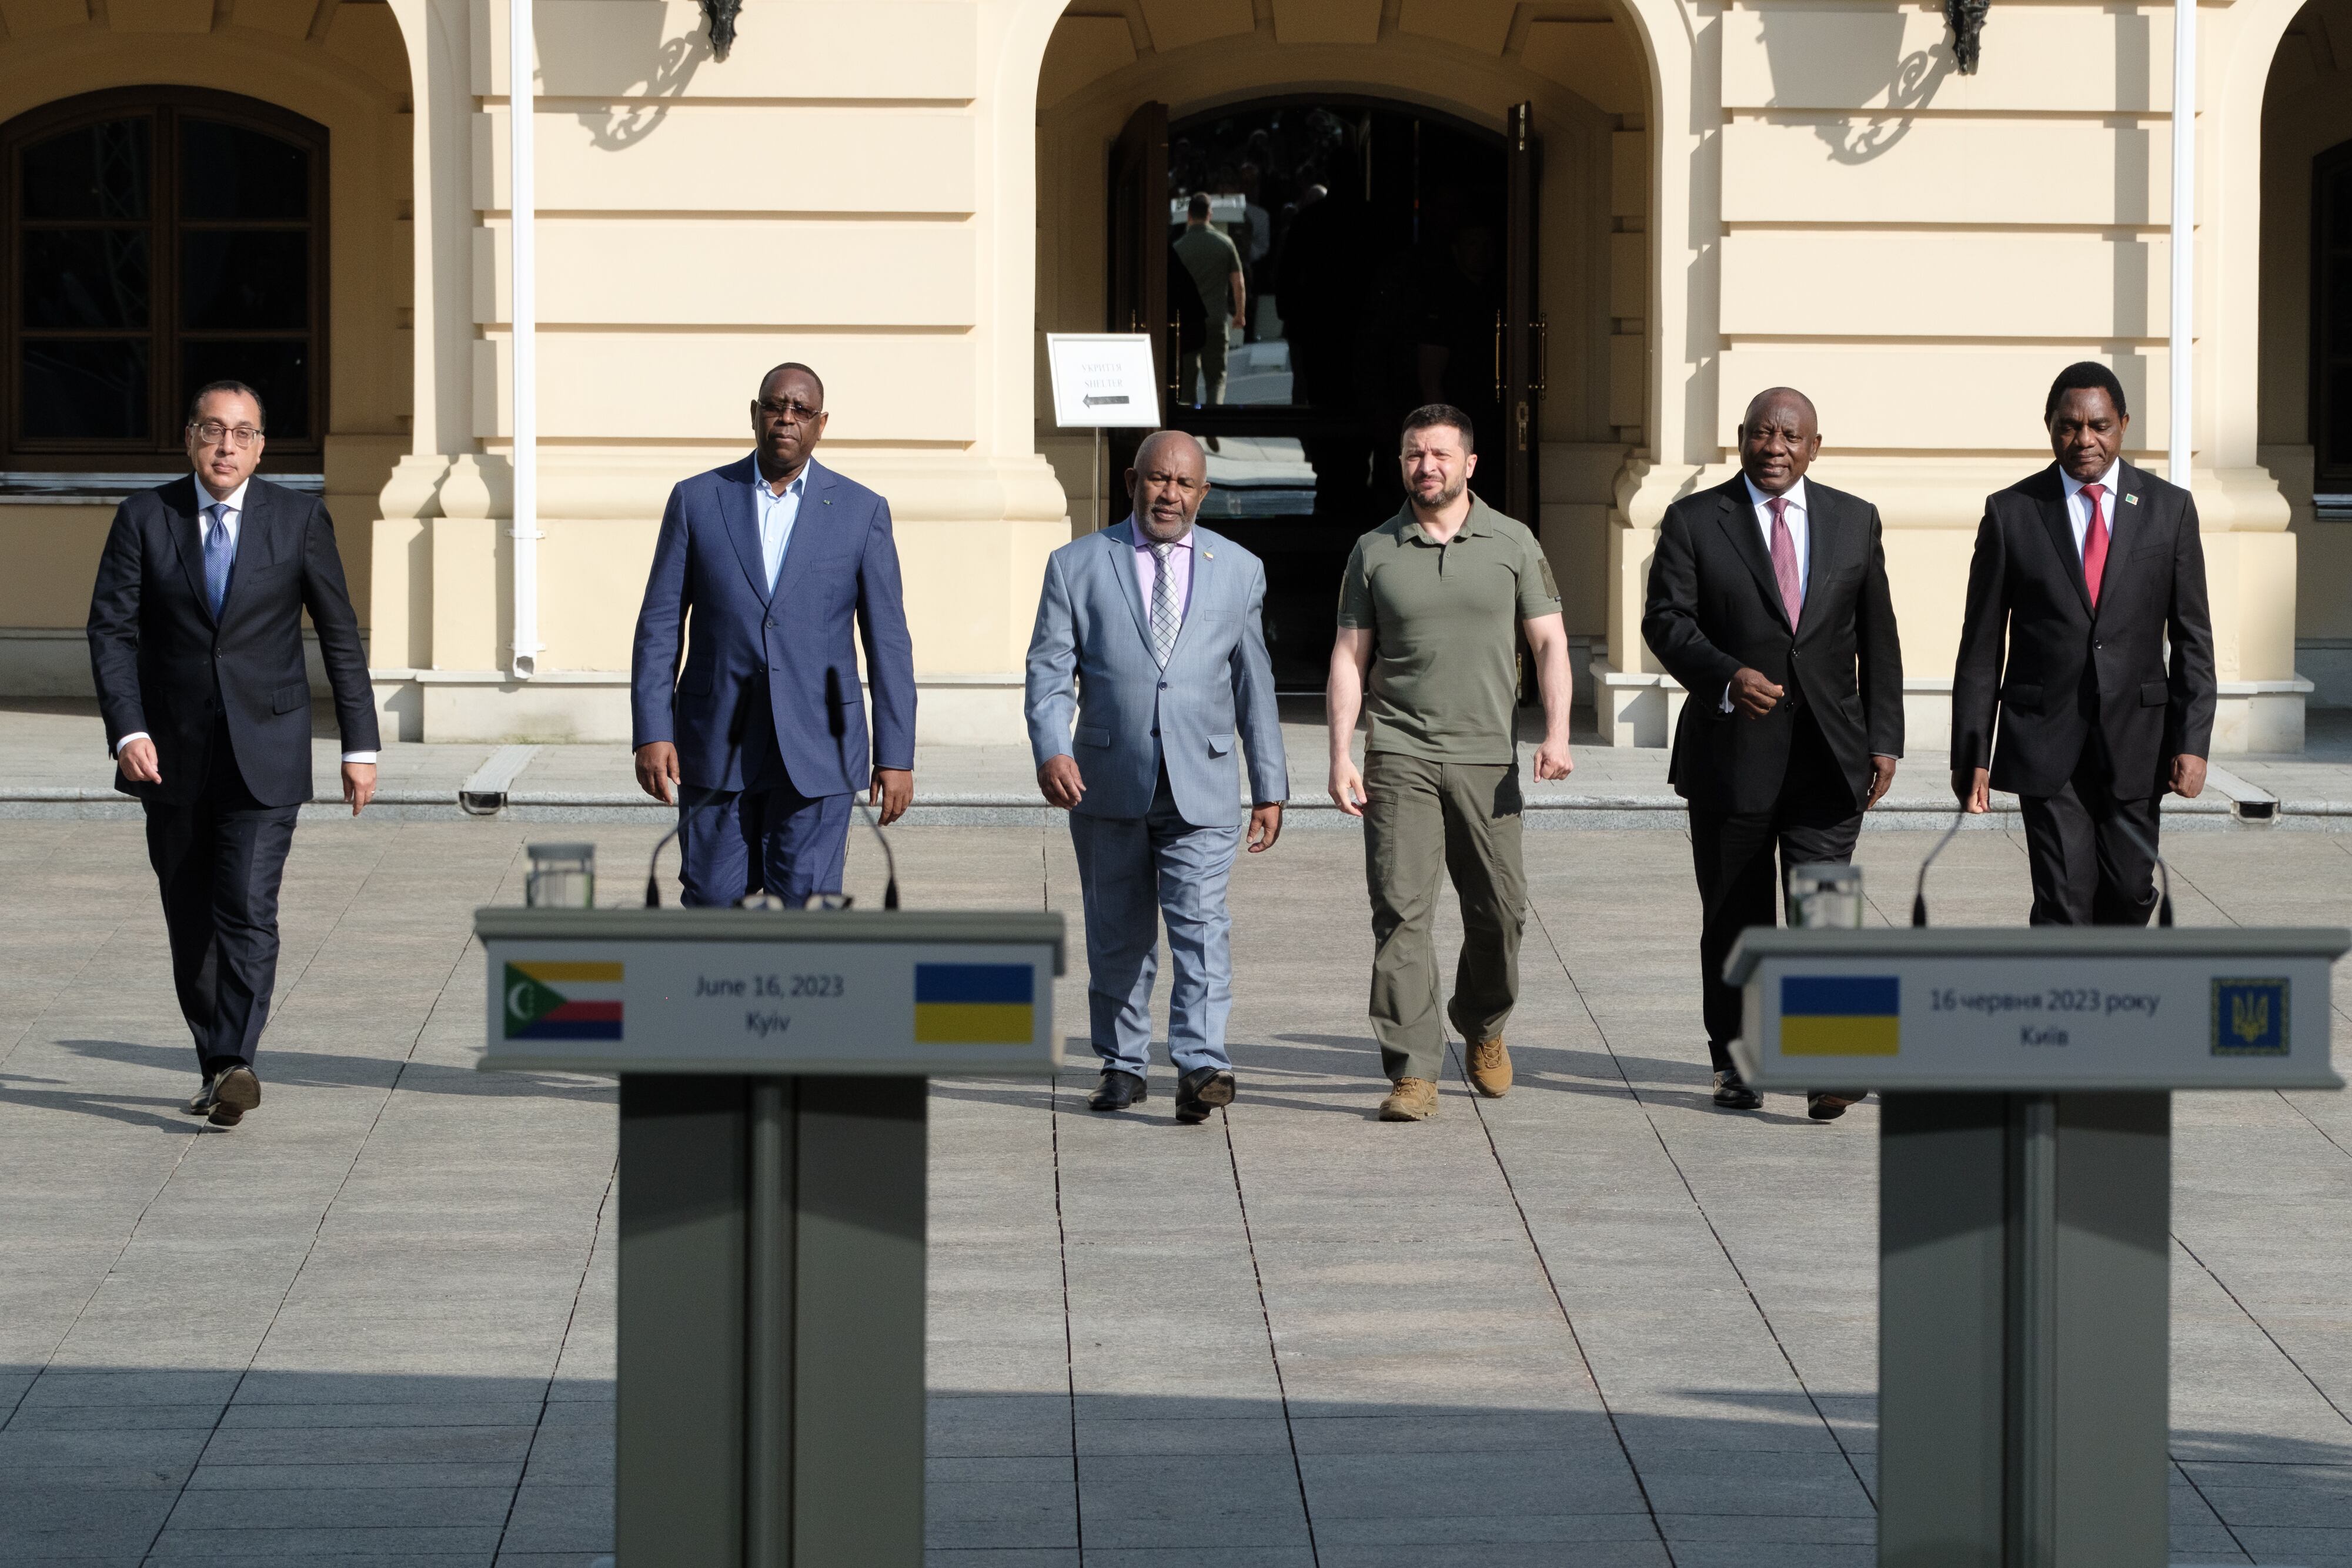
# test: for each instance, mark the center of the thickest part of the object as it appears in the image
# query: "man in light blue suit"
(1159, 624)
(783, 565)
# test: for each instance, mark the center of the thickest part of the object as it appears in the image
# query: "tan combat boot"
(1413, 1100)
(1490, 1068)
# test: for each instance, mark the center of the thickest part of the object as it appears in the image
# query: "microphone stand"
(1919, 893)
(840, 727)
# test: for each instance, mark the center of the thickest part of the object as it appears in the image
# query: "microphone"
(839, 724)
(1920, 893)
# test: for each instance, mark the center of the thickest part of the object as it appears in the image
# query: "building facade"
(1666, 204)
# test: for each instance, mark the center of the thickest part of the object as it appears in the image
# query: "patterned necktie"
(1165, 617)
(2094, 544)
(220, 551)
(1784, 561)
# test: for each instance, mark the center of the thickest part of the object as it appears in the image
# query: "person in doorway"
(1431, 612)
(1216, 269)
(2083, 575)
(1769, 602)
(195, 645)
(760, 738)
(1157, 623)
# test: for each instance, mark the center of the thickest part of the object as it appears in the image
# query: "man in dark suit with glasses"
(195, 643)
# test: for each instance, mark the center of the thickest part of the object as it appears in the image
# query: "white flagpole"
(521, 99)
(2184, 235)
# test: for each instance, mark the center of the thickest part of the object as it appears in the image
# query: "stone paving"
(1596, 1322)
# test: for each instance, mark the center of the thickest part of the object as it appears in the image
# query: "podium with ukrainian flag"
(773, 1070)
(2027, 1076)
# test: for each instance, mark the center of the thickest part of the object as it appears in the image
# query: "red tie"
(1784, 561)
(2094, 544)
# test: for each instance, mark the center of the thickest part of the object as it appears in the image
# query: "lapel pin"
(2131, 500)
(1208, 555)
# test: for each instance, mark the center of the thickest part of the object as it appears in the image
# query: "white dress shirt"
(229, 511)
(1799, 533)
(2078, 504)
(777, 515)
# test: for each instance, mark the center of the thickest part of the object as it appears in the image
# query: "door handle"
(1498, 356)
(1543, 356)
(1523, 424)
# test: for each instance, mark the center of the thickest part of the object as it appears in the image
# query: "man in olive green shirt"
(1429, 613)
(1216, 268)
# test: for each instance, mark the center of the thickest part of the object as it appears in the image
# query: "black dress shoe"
(1731, 1091)
(1116, 1091)
(1823, 1105)
(200, 1104)
(1201, 1090)
(236, 1091)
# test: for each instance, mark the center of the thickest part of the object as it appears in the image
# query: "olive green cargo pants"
(1423, 820)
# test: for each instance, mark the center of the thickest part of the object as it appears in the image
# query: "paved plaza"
(1596, 1322)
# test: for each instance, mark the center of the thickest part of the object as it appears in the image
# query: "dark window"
(157, 238)
(2331, 318)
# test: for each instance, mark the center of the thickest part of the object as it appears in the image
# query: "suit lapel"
(1824, 534)
(2061, 529)
(1203, 568)
(1737, 519)
(743, 521)
(817, 497)
(188, 538)
(1122, 556)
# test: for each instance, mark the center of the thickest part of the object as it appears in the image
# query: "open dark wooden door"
(1137, 290)
(1520, 353)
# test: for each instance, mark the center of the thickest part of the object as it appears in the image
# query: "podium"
(2025, 1197)
(772, 1068)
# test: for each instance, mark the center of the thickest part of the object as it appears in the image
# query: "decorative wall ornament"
(722, 14)
(1967, 18)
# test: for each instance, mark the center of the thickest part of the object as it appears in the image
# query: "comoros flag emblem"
(552, 999)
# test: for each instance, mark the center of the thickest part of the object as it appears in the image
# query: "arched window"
(157, 238)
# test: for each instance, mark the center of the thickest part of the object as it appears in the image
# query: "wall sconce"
(722, 14)
(1967, 18)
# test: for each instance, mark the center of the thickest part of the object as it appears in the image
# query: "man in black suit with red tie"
(1769, 602)
(195, 641)
(2083, 573)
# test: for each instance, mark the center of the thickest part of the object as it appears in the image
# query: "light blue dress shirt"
(777, 515)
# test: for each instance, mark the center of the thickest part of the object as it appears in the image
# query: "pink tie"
(1784, 561)
(2094, 544)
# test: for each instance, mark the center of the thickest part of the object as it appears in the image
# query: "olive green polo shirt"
(1445, 621)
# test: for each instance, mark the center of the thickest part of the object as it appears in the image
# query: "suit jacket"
(754, 695)
(162, 665)
(2072, 672)
(1715, 607)
(1130, 714)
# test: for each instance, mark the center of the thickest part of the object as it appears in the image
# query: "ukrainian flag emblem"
(556, 1000)
(974, 1004)
(1840, 1015)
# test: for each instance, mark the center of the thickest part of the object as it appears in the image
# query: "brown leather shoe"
(1823, 1105)
(1413, 1100)
(1490, 1068)
(236, 1091)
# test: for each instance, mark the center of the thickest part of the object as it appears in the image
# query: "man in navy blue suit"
(782, 562)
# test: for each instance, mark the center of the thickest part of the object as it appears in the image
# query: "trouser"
(1814, 818)
(1133, 873)
(218, 861)
(1204, 367)
(2093, 857)
(1422, 820)
(734, 842)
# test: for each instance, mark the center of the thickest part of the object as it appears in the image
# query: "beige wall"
(342, 65)
(907, 193)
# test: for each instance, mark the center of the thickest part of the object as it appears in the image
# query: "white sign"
(731, 991)
(2030, 1011)
(1103, 379)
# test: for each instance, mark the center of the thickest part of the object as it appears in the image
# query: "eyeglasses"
(240, 435)
(798, 412)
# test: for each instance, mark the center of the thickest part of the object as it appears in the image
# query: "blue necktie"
(220, 553)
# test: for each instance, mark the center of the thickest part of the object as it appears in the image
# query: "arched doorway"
(1385, 255)
(1564, 241)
